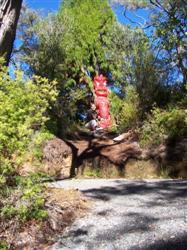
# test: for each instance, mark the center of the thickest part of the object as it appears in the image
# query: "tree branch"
(130, 20)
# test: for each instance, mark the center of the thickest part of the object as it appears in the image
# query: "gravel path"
(129, 215)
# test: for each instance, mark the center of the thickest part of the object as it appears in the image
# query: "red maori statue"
(101, 101)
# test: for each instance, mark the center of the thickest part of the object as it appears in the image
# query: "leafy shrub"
(125, 111)
(115, 108)
(23, 114)
(26, 202)
(38, 140)
(23, 104)
(7, 174)
(162, 124)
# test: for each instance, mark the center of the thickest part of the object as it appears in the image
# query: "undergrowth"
(163, 125)
(23, 115)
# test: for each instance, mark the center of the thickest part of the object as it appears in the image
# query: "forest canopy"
(75, 46)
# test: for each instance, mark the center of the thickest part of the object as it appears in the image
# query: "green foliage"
(95, 173)
(26, 202)
(129, 112)
(3, 245)
(125, 111)
(74, 46)
(162, 125)
(7, 173)
(88, 33)
(115, 108)
(37, 142)
(23, 104)
(169, 19)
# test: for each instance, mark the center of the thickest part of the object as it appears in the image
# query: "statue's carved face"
(100, 83)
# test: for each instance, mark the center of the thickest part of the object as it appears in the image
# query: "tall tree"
(168, 20)
(71, 48)
(9, 15)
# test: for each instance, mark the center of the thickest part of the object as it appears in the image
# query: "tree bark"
(9, 15)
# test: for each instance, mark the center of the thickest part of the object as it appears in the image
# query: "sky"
(47, 5)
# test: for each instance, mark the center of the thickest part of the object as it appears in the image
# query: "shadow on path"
(179, 243)
(166, 190)
(132, 215)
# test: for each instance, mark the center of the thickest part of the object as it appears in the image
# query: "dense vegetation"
(154, 65)
(49, 94)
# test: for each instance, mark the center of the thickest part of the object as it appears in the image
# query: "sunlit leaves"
(23, 105)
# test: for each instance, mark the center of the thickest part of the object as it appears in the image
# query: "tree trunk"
(9, 15)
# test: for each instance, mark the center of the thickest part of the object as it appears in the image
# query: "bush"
(37, 142)
(161, 125)
(23, 114)
(23, 105)
(26, 202)
(125, 111)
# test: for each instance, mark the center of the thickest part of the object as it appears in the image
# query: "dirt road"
(129, 215)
